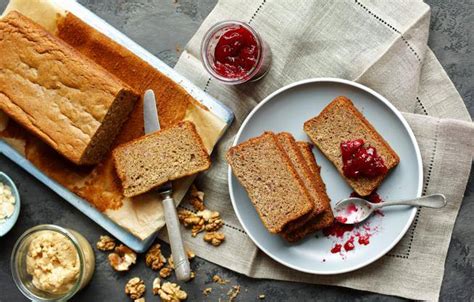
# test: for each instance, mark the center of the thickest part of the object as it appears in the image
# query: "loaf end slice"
(151, 160)
(340, 121)
(272, 183)
(326, 218)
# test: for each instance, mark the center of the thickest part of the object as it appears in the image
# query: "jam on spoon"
(360, 160)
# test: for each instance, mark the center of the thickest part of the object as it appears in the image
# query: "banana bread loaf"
(64, 98)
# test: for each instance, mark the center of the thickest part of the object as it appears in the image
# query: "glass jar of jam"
(234, 53)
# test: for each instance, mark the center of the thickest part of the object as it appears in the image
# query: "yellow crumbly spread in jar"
(53, 262)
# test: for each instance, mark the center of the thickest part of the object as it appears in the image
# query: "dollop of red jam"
(349, 245)
(364, 239)
(336, 248)
(236, 53)
(360, 160)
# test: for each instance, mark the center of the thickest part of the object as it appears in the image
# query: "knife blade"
(150, 114)
(181, 262)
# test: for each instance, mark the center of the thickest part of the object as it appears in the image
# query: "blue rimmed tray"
(219, 109)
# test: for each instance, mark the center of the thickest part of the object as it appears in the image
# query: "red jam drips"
(364, 239)
(336, 248)
(349, 245)
(337, 229)
(362, 232)
(236, 53)
(360, 160)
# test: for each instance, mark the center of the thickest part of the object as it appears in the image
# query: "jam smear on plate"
(345, 235)
(361, 160)
(337, 229)
(349, 245)
(336, 248)
(236, 53)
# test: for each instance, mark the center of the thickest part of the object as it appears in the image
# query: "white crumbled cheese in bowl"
(7, 202)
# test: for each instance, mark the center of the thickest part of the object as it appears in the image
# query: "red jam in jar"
(236, 53)
(233, 53)
(360, 160)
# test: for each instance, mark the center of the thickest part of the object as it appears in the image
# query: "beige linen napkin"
(381, 44)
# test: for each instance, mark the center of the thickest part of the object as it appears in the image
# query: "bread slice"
(151, 160)
(62, 97)
(291, 148)
(272, 183)
(322, 220)
(341, 121)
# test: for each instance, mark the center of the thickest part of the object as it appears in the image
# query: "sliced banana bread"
(272, 183)
(322, 220)
(291, 148)
(151, 160)
(340, 122)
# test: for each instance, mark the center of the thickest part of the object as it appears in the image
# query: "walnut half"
(154, 258)
(214, 238)
(171, 292)
(135, 288)
(165, 272)
(122, 258)
(105, 243)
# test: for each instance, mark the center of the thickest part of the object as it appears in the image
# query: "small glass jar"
(19, 263)
(211, 45)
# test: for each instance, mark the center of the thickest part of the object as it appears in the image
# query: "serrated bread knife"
(180, 258)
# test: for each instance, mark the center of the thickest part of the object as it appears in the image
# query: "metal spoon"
(354, 210)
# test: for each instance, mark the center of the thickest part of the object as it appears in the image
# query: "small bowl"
(10, 221)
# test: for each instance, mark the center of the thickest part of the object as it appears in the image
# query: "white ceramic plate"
(286, 110)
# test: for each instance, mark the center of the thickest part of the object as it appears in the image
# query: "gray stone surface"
(164, 27)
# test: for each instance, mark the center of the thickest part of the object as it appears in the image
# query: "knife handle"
(180, 257)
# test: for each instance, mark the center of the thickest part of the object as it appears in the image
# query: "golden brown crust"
(57, 93)
(309, 205)
(363, 186)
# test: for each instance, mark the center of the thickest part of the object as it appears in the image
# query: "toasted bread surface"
(150, 161)
(340, 121)
(272, 183)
